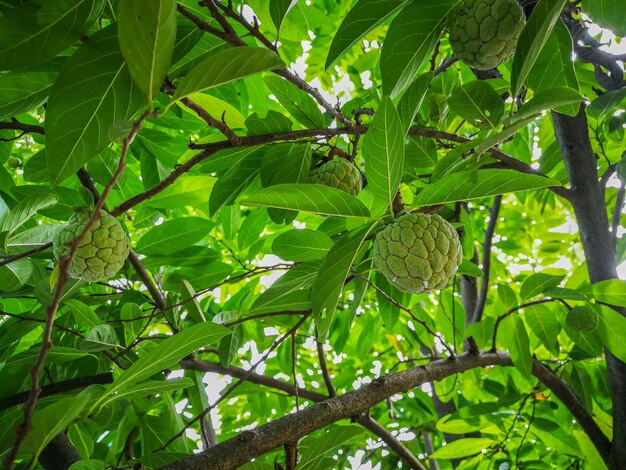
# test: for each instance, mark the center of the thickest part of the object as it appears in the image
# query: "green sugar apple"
(583, 319)
(484, 33)
(101, 253)
(418, 252)
(338, 173)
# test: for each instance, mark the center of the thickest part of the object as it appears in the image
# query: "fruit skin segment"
(484, 33)
(418, 252)
(103, 250)
(338, 173)
(583, 319)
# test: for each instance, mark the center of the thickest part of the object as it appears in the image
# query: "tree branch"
(20, 126)
(487, 242)
(250, 444)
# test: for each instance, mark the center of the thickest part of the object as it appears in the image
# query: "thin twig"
(324, 368)
(12, 258)
(211, 121)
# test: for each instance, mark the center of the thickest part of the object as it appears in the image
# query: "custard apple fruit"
(418, 252)
(338, 173)
(101, 253)
(484, 33)
(583, 319)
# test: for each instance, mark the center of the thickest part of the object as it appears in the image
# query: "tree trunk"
(590, 208)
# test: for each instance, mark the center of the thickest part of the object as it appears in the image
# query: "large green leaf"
(364, 16)
(478, 103)
(549, 99)
(234, 182)
(167, 354)
(332, 275)
(299, 103)
(612, 331)
(26, 209)
(290, 292)
(312, 449)
(609, 14)
(554, 68)
(544, 323)
(52, 420)
(279, 9)
(93, 91)
(412, 99)
(227, 66)
(611, 291)
(36, 31)
(467, 185)
(316, 198)
(14, 275)
(512, 334)
(147, 34)
(174, 235)
(410, 40)
(149, 387)
(463, 448)
(537, 284)
(532, 39)
(383, 151)
(23, 91)
(302, 245)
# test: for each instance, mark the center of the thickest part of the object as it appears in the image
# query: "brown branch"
(63, 277)
(24, 254)
(211, 121)
(39, 320)
(364, 420)
(250, 444)
(487, 242)
(324, 368)
(202, 25)
(20, 126)
(59, 387)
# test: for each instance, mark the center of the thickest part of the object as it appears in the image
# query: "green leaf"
(52, 420)
(469, 269)
(383, 151)
(538, 283)
(100, 338)
(23, 91)
(545, 100)
(513, 336)
(478, 103)
(312, 449)
(554, 67)
(532, 39)
(299, 103)
(174, 235)
(234, 182)
(35, 32)
(463, 448)
(301, 245)
(290, 292)
(612, 332)
(93, 91)
(606, 103)
(26, 209)
(150, 387)
(544, 323)
(611, 291)
(90, 464)
(412, 99)
(609, 14)
(147, 34)
(229, 345)
(364, 16)
(186, 191)
(316, 198)
(332, 275)
(167, 354)
(225, 67)
(14, 275)
(216, 107)
(279, 9)
(191, 305)
(410, 40)
(467, 185)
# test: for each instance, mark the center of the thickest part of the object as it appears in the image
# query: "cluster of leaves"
(216, 196)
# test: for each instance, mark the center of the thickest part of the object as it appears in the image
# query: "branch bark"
(250, 444)
(572, 134)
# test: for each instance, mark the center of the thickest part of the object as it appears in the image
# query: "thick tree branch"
(20, 126)
(59, 454)
(250, 444)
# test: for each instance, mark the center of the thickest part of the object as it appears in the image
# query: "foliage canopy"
(250, 299)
